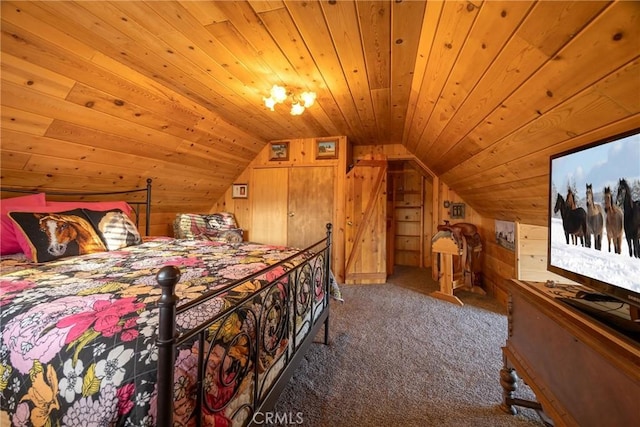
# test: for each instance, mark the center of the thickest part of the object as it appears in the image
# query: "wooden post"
(445, 248)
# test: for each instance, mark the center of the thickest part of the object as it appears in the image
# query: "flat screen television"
(597, 265)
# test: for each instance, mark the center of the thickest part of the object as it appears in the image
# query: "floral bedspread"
(78, 334)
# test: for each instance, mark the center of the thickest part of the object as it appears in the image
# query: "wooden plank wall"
(302, 153)
(76, 118)
(499, 263)
(110, 93)
(527, 262)
(531, 254)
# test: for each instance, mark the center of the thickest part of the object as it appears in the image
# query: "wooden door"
(269, 202)
(311, 204)
(365, 231)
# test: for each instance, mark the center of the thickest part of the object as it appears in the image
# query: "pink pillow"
(8, 242)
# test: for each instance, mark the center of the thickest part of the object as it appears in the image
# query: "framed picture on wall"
(240, 191)
(457, 211)
(279, 151)
(505, 232)
(326, 148)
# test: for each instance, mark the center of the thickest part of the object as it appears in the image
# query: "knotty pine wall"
(499, 263)
(527, 262)
(302, 153)
(531, 254)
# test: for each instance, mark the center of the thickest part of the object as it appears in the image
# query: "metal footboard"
(248, 351)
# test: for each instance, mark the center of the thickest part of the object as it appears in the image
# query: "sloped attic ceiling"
(480, 92)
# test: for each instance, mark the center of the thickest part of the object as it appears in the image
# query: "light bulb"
(270, 103)
(309, 98)
(296, 109)
(278, 93)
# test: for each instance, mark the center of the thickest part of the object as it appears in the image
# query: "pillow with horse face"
(47, 236)
(114, 227)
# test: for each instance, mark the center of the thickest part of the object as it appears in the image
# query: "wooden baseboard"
(366, 278)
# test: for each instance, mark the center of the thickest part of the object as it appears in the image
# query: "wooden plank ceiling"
(102, 93)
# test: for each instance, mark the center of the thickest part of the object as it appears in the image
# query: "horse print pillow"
(47, 236)
(115, 228)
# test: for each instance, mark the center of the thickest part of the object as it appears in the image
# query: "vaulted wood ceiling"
(97, 93)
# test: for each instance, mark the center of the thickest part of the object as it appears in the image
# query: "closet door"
(311, 195)
(269, 199)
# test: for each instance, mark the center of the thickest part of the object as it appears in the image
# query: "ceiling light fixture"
(279, 95)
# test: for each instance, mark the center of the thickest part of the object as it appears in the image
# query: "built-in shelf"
(407, 222)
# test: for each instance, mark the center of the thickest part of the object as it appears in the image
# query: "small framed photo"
(326, 148)
(279, 151)
(240, 191)
(457, 211)
(506, 234)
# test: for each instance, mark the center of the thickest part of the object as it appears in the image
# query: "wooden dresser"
(583, 373)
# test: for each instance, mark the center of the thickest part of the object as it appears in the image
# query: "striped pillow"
(114, 227)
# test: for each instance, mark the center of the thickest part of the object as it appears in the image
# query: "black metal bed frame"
(295, 308)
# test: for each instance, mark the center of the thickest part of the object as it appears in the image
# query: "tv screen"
(592, 236)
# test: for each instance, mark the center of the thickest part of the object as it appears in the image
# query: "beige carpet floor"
(399, 357)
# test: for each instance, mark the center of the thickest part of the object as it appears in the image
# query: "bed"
(163, 332)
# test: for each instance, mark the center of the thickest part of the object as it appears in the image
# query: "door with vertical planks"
(365, 231)
(291, 206)
(311, 195)
(269, 199)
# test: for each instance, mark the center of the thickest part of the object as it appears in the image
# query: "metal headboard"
(136, 204)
